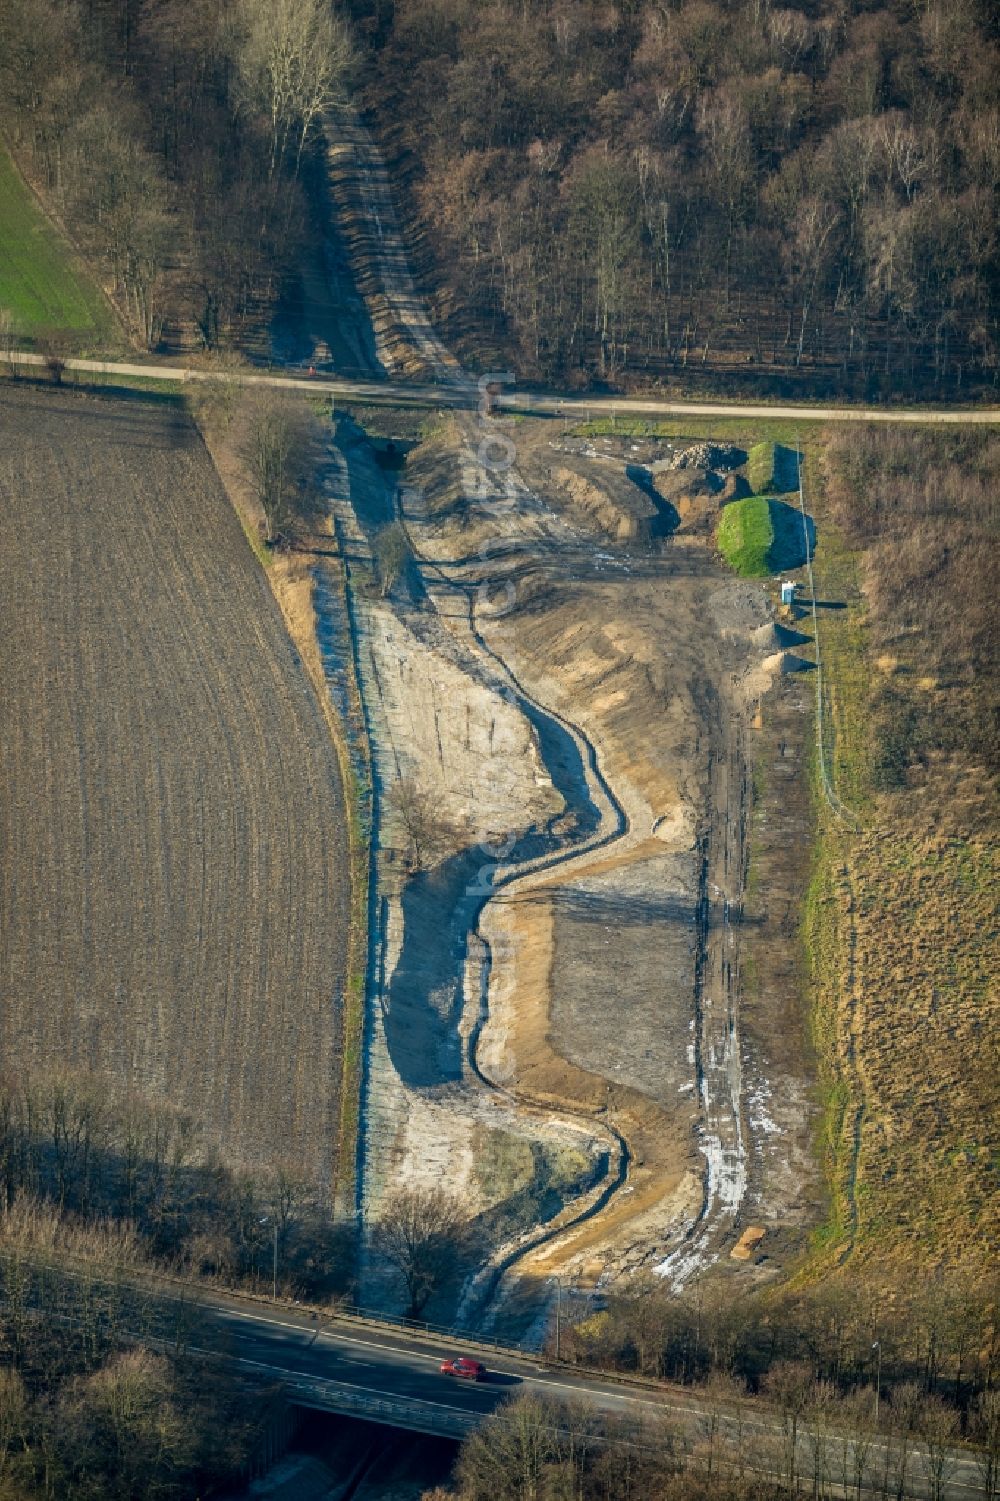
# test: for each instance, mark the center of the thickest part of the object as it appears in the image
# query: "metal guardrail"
(398, 1412)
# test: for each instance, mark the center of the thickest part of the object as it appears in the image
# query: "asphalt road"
(355, 1366)
(465, 395)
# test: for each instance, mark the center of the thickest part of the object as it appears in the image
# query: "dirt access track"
(173, 863)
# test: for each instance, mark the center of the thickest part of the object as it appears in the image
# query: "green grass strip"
(41, 281)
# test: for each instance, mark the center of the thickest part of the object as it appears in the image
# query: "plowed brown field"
(173, 856)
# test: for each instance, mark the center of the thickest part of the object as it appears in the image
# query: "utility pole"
(558, 1314)
(272, 1220)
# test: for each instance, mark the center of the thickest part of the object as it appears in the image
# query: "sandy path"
(464, 394)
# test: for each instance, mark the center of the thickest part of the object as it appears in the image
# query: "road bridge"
(390, 1375)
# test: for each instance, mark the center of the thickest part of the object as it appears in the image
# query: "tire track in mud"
(722, 863)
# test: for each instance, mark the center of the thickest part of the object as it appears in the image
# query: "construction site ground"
(591, 986)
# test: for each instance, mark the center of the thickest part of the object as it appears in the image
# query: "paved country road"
(392, 1375)
(465, 395)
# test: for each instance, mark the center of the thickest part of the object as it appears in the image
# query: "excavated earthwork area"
(173, 860)
(577, 1024)
(589, 989)
(625, 979)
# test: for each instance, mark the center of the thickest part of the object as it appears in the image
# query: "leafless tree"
(292, 58)
(274, 446)
(904, 1408)
(720, 1422)
(986, 1432)
(858, 1434)
(507, 1459)
(420, 1232)
(430, 831)
(817, 1421)
(391, 553)
(53, 346)
(937, 1425)
(789, 1385)
(117, 198)
(8, 338)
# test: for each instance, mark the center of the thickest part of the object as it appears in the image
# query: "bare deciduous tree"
(986, 1431)
(274, 445)
(292, 57)
(509, 1456)
(391, 553)
(937, 1425)
(430, 831)
(8, 338)
(790, 1386)
(420, 1232)
(118, 199)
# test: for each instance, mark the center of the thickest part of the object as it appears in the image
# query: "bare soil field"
(174, 891)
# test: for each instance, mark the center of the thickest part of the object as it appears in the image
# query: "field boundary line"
(829, 791)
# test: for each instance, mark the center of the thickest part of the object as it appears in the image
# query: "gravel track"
(173, 859)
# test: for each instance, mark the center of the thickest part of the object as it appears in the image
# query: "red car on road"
(461, 1365)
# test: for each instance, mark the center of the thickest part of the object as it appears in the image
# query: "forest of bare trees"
(942, 1338)
(729, 191)
(100, 1394)
(538, 1449)
(172, 138)
(680, 188)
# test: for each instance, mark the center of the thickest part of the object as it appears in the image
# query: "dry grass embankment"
(901, 923)
(175, 884)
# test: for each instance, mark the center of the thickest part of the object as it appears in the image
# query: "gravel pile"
(719, 456)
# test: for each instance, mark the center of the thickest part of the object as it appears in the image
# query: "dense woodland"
(174, 140)
(723, 191)
(803, 194)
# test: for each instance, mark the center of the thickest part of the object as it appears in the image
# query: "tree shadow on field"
(104, 1161)
(165, 414)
